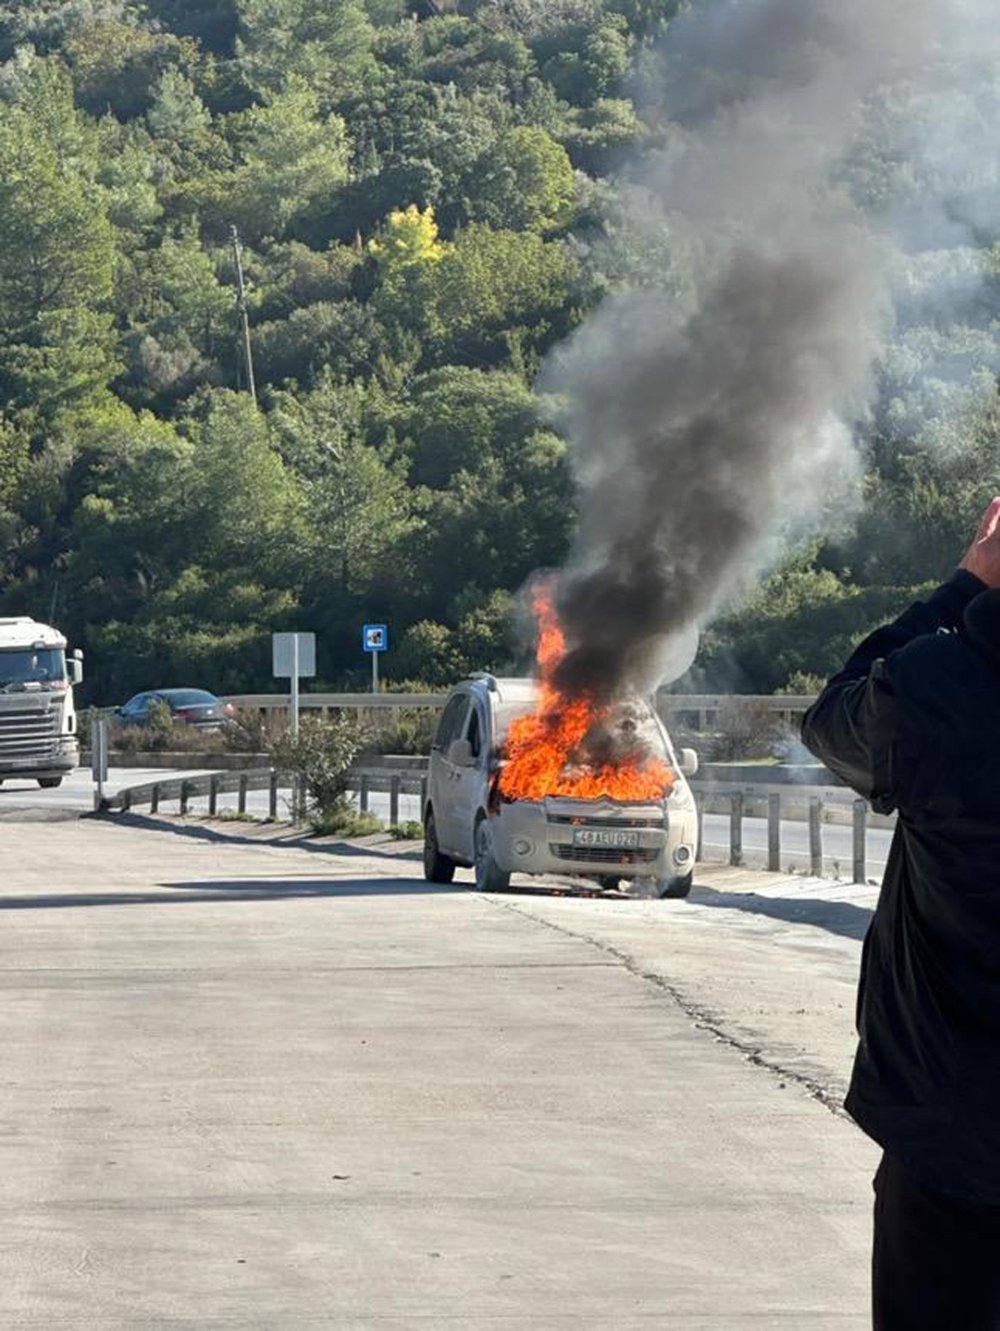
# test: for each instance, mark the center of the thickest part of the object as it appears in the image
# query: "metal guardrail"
(270, 702)
(698, 711)
(363, 781)
(814, 805)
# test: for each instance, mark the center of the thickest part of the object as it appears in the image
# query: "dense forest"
(427, 198)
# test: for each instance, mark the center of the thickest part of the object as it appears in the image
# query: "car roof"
(507, 689)
(172, 693)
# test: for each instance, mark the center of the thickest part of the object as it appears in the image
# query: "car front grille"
(29, 732)
(605, 854)
(576, 820)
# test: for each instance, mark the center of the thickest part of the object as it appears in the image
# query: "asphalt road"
(259, 1086)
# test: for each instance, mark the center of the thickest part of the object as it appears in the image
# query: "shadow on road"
(837, 917)
(192, 893)
(292, 839)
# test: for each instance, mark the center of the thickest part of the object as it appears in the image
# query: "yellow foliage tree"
(409, 238)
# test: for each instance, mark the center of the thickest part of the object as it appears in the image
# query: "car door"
(469, 783)
(442, 774)
(135, 711)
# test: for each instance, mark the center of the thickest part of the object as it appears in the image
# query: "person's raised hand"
(983, 556)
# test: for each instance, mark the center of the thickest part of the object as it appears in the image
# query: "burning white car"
(521, 782)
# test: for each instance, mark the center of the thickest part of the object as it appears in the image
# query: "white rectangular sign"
(283, 650)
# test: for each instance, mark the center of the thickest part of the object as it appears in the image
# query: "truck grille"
(604, 854)
(29, 732)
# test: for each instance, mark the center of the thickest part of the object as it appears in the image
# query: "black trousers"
(935, 1259)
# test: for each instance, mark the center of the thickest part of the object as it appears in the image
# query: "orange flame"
(540, 749)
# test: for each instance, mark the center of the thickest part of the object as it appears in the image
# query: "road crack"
(704, 1018)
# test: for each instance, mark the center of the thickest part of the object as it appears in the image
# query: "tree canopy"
(429, 197)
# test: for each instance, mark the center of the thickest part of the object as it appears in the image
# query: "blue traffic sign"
(375, 637)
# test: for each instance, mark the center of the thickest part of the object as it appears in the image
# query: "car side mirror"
(460, 753)
(688, 762)
(75, 664)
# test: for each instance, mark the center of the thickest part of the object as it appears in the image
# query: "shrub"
(346, 822)
(746, 729)
(408, 831)
(321, 754)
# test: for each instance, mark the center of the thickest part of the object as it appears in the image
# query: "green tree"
(525, 181)
(497, 292)
(323, 43)
(57, 251)
(291, 158)
(117, 59)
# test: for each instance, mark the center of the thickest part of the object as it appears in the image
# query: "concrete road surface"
(248, 1086)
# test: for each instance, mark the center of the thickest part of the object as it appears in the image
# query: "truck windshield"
(32, 668)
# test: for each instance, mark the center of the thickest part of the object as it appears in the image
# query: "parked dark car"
(193, 707)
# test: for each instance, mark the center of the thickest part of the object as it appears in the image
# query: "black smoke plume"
(697, 424)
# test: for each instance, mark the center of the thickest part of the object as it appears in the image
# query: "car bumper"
(540, 838)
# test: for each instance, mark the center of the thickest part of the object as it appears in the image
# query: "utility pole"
(241, 305)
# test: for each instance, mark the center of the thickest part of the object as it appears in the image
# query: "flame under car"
(473, 818)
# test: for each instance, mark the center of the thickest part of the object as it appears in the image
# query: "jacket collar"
(982, 624)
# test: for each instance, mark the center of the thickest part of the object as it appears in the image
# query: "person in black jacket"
(912, 723)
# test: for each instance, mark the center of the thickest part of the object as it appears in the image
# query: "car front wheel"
(438, 868)
(489, 876)
(674, 888)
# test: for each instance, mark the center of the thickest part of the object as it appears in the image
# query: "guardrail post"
(363, 795)
(816, 836)
(126, 800)
(272, 802)
(860, 841)
(154, 798)
(699, 804)
(774, 832)
(213, 795)
(736, 828)
(241, 798)
(394, 801)
(184, 798)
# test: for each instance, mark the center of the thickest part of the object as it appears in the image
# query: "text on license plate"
(616, 838)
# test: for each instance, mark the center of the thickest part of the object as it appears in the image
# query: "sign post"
(294, 658)
(99, 759)
(375, 640)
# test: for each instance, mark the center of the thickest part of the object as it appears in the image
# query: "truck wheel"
(489, 876)
(674, 888)
(49, 782)
(608, 882)
(438, 868)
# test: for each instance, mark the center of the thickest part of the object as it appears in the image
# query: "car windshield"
(629, 731)
(188, 697)
(32, 668)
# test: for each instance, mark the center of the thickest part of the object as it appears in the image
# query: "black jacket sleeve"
(850, 726)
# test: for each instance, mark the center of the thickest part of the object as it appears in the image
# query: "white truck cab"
(38, 730)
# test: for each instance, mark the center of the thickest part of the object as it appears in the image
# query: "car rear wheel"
(49, 782)
(489, 876)
(438, 868)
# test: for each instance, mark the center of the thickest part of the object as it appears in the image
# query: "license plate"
(613, 838)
